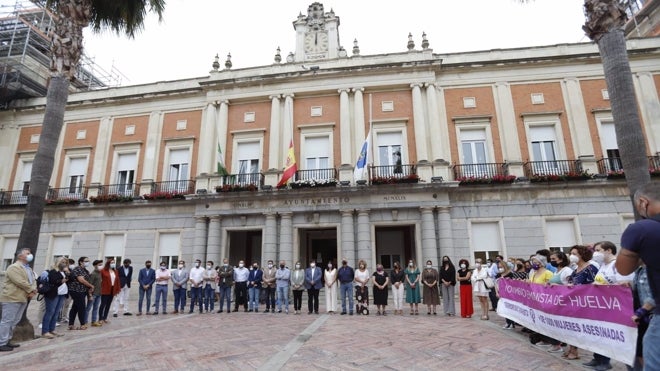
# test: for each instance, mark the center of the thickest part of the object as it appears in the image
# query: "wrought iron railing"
(127, 190)
(393, 174)
(485, 170)
(174, 186)
(609, 165)
(316, 174)
(557, 167)
(13, 198)
(66, 193)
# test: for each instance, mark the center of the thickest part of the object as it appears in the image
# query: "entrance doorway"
(395, 244)
(246, 246)
(320, 245)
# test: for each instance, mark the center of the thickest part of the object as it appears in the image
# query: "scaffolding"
(25, 38)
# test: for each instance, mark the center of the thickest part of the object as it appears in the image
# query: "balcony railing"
(127, 190)
(240, 182)
(558, 167)
(393, 174)
(610, 165)
(66, 195)
(316, 174)
(654, 163)
(174, 186)
(13, 198)
(486, 170)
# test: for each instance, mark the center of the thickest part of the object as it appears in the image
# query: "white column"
(214, 239)
(286, 238)
(346, 142)
(577, 118)
(270, 238)
(421, 137)
(446, 240)
(364, 237)
(347, 237)
(207, 139)
(201, 232)
(358, 116)
(223, 122)
(506, 118)
(275, 143)
(437, 126)
(649, 106)
(152, 148)
(102, 160)
(429, 250)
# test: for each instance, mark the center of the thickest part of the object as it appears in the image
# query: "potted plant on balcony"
(495, 179)
(63, 201)
(165, 195)
(568, 176)
(236, 188)
(395, 179)
(312, 183)
(654, 171)
(110, 198)
(616, 174)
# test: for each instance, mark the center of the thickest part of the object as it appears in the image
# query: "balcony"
(393, 174)
(116, 193)
(67, 195)
(13, 198)
(174, 189)
(613, 168)
(314, 178)
(240, 182)
(486, 173)
(552, 171)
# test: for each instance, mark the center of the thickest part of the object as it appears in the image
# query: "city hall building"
(413, 154)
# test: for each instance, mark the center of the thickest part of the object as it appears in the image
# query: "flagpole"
(371, 142)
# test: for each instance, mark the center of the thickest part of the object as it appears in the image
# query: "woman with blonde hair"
(479, 277)
(57, 278)
(413, 296)
(330, 277)
(297, 286)
(361, 289)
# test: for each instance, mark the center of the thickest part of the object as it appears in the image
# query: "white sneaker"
(40, 325)
(57, 324)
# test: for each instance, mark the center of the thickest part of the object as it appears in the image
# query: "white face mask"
(410, 264)
(270, 265)
(429, 266)
(477, 265)
(196, 265)
(462, 266)
(180, 266)
(29, 258)
(313, 265)
(573, 259)
(501, 270)
(72, 267)
(297, 266)
(209, 267)
(240, 265)
(113, 265)
(86, 264)
(598, 257)
(99, 267)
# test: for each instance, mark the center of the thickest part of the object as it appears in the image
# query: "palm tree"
(70, 18)
(604, 25)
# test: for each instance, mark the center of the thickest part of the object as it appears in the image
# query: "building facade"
(468, 155)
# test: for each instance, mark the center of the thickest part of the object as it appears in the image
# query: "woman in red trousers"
(463, 276)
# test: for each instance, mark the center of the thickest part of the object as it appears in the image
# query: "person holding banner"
(479, 276)
(559, 261)
(463, 275)
(641, 240)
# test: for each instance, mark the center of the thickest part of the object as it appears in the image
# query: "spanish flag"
(290, 168)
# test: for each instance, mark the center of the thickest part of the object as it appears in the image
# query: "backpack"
(43, 286)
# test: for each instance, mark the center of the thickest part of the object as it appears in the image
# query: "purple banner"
(610, 303)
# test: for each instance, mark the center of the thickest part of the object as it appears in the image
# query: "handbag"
(489, 283)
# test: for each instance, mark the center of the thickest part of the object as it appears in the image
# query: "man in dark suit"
(125, 277)
(254, 286)
(313, 283)
(146, 279)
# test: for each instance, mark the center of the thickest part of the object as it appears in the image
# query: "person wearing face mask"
(109, 288)
(361, 289)
(478, 277)
(380, 280)
(413, 296)
(196, 280)
(125, 278)
(93, 304)
(79, 289)
(397, 278)
(225, 282)
(330, 278)
(146, 280)
(430, 278)
(240, 283)
(57, 277)
(179, 279)
(255, 279)
(346, 275)
(463, 276)
(163, 276)
(313, 283)
(492, 272)
(605, 255)
(297, 286)
(268, 284)
(448, 282)
(66, 307)
(282, 282)
(539, 274)
(208, 281)
(641, 240)
(20, 286)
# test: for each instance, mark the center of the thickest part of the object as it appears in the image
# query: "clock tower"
(317, 36)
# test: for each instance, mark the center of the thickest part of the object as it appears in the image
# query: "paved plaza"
(265, 341)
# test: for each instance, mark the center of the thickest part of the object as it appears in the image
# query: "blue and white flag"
(363, 159)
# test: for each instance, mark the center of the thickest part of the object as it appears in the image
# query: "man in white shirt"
(241, 275)
(195, 279)
(180, 281)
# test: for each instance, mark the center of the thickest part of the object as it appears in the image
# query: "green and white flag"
(221, 164)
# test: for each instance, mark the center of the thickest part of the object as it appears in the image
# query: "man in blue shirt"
(146, 279)
(345, 275)
(642, 240)
(282, 279)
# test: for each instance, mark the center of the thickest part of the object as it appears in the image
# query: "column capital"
(270, 214)
(347, 212)
(355, 90)
(344, 90)
(288, 95)
(363, 211)
(286, 214)
(199, 219)
(426, 209)
(429, 85)
(275, 96)
(417, 85)
(215, 218)
(444, 209)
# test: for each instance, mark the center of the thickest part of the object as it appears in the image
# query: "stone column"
(647, 93)
(223, 122)
(102, 158)
(446, 235)
(363, 237)
(151, 150)
(346, 139)
(270, 238)
(437, 126)
(347, 237)
(214, 239)
(506, 118)
(577, 117)
(275, 142)
(286, 238)
(421, 136)
(360, 132)
(429, 249)
(201, 233)
(207, 150)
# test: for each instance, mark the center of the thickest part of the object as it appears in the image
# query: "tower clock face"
(316, 42)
